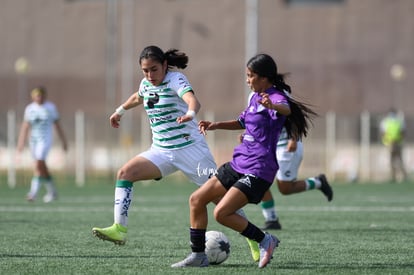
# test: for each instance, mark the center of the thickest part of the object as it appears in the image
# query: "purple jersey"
(256, 154)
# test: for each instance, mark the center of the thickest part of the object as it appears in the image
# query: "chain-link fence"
(346, 148)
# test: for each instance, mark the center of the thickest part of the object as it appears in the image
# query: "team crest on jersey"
(153, 99)
(287, 173)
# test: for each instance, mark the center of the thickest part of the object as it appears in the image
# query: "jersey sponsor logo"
(126, 202)
(153, 112)
(154, 120)
(149, 87)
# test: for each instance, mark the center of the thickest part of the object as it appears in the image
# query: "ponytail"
(176, 59)
(298, 122)
(280, 84)
(173, 57)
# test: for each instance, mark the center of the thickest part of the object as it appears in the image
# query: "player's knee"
(123, 173)
(219, 215)
(195, 201)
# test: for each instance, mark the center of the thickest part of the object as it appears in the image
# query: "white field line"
(168, 209)
(70, 209)
(347, 209)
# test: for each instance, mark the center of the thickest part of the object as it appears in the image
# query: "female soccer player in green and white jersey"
(177, 144)
(39, 118)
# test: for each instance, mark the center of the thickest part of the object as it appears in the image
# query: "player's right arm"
(133, 101)
(204, 125)
(24, 130)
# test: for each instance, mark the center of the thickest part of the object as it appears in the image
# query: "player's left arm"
(281, 108)
(193, 107)
(61, 134)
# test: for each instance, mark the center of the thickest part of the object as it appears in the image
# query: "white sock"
(50, 187)
(269, 214)
(123, 199)
(34, 186)
(269, 210)
(313, 183)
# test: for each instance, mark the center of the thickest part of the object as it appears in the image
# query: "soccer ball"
(217, 247)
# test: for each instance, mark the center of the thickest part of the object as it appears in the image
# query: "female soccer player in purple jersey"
(251, 172)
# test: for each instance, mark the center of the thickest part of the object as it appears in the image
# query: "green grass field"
(366, 229)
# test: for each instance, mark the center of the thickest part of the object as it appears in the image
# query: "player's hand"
(184, 118)
(114, 120)
(65, 146)
(265, 101)
(19, 148)
(204, 125)
(18, 158)
(292, 145)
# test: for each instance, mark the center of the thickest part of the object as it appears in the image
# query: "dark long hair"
(174, 57)
(298, 122)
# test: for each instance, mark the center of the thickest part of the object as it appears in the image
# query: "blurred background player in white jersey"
(289, 154)
(39, 118)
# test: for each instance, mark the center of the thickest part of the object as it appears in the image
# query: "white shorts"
(289, 162)
(195, 161)
(40, 149)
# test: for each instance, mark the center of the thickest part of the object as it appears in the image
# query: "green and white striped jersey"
(163, 105)
(41, 119)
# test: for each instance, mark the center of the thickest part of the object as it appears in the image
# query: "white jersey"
(41, 119)
(283, 139)
(289, 162)
(164, 104)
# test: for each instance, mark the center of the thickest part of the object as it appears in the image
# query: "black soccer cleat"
(326, 189)
(272, 225)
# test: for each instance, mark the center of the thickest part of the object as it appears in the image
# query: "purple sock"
(198, 239)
